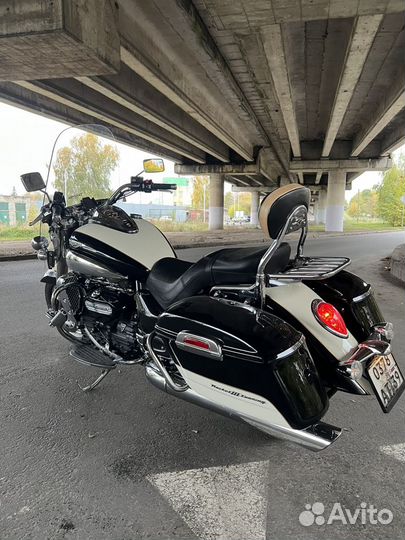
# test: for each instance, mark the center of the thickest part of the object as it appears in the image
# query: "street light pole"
(204, 189)
(66, 193)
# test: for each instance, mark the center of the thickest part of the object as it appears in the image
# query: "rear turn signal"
(330, 318)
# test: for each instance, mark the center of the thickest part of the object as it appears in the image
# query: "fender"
(49, 277)
(296, 299)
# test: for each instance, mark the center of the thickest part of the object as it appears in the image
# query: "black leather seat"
(173, 279)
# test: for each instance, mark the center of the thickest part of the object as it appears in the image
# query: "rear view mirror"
(153, 165)
(32, 181)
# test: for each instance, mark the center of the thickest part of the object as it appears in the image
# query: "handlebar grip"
(156, 187)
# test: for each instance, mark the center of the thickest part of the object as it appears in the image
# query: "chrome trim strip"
(362, 296)
(292, 349)
(170, 333)
(241, 288)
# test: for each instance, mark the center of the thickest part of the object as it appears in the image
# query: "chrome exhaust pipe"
(316, 437)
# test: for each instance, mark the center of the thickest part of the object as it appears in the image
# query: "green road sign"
(182, 182)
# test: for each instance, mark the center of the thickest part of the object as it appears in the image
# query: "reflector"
(196, 343)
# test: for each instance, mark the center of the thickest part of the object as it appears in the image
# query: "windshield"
(84, 162)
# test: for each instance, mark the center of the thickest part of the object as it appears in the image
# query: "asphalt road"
(128, 462)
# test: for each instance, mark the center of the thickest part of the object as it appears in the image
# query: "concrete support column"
(320, 218)
(216, 209)
(254, 209)
(316, 212)
(335, 201)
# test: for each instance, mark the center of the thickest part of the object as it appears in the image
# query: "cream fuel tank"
(116, 245)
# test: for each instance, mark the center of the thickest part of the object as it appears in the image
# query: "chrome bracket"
(96, 382)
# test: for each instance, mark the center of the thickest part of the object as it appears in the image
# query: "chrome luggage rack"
(312, 268)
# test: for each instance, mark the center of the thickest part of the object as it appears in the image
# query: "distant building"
(14, 210)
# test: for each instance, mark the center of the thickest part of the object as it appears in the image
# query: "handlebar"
(138, 184)
(59, 210)
(34, 221)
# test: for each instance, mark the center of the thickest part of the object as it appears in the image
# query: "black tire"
(48, 293)
(76, 337)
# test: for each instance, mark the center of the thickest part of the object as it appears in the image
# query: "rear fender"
(296, 299)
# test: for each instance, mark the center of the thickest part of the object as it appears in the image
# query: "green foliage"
(197, 197)
(364, 204)
(390, 207)
(84, 168)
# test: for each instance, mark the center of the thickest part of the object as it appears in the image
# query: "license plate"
(387, 380)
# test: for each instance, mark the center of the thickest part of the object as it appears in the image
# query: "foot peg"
(58, 319)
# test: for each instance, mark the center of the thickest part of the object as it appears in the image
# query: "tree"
(84, 168)
(390, 192)
(364, 204)
(197, 197)
(241, 202)
(36, 200)
(14, 192)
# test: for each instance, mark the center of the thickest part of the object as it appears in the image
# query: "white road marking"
(219, 503)
(395, 450)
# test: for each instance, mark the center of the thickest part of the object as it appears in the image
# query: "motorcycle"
(259, 334)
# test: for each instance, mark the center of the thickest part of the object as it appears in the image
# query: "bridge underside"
(258, 92)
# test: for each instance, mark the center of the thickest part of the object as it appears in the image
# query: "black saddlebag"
(245, 348)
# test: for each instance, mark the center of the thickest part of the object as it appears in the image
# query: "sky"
(26, 141)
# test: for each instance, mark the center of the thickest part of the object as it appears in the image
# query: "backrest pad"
(278, 205)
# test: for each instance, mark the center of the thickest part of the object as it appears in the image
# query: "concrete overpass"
(257, 92)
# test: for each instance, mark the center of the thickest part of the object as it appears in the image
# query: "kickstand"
(91, 386)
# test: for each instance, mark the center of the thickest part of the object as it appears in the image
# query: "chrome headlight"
(39, 242)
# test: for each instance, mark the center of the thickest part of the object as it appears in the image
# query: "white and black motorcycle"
(256, 333)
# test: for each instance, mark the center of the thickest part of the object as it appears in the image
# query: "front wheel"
(74, 337)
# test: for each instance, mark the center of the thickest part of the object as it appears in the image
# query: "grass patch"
(20, 232)
(354, 226)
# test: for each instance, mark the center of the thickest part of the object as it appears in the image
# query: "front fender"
(49, 277)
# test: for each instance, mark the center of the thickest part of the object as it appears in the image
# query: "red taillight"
(330, 318)
(196, 343)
